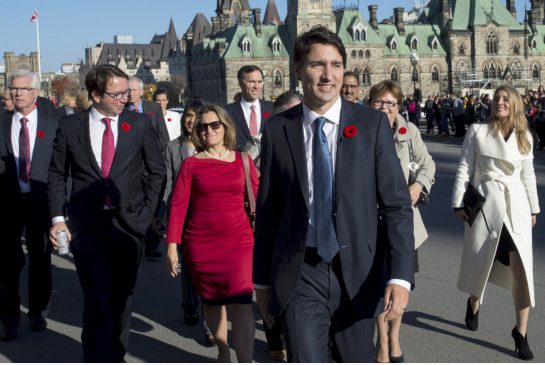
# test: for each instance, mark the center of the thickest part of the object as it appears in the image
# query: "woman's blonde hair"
(517, 120)
(229, 138)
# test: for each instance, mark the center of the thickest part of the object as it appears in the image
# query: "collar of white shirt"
(95, 116)
(32, 116)
(333, 114)
(246, 105)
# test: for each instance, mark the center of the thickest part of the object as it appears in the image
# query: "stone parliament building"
(453, 45)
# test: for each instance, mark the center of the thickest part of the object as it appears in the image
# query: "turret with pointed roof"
(271, 15)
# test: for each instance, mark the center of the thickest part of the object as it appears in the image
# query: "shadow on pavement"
(414, 318)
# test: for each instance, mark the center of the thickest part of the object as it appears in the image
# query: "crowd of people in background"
(260, 200)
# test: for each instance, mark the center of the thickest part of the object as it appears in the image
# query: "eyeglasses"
(387, 103)
(21, 90)
(119, 95)
(203, 127)
(348, 86)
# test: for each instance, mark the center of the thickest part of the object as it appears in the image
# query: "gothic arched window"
(394, 74)
(491, 44)
(434, 74)
(366, 77)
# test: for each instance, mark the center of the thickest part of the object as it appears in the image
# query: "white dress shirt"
(174, 127)
(246, 108)
(96, 131)
(32, 126)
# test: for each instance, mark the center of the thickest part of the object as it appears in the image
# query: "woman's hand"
(415, 190)
(460, 213)
(534, 220)
(172, 259)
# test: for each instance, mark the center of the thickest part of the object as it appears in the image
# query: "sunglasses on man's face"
(203, 127)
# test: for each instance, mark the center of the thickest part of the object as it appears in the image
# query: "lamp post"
(414, 62)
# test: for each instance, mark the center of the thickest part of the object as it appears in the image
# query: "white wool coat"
(507, 180)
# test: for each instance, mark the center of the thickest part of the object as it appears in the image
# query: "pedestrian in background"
(386, 96)
(172, 119)
(207, 216)
(497, 160)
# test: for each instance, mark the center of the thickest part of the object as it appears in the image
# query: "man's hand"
(396, 299)
(59, 226)
(263, 298)
(172, 259)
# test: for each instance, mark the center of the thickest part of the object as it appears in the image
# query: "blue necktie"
(323, 193)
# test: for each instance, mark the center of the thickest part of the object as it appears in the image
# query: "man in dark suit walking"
(326, 165)
(153, 111)
(250, 113)
(117, 171)
(26, 140)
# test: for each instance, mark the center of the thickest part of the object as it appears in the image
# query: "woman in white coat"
(497, 159)
(386, 96)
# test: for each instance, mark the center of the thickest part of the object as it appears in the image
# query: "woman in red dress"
(207, 216)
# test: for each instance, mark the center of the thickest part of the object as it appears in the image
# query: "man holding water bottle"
(26, 140)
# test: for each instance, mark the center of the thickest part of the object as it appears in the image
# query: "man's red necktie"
(253, 121)
(24, 151)
(108, 151)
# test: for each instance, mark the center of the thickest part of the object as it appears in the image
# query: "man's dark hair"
(354, 75)
(159, 92)
(246, 70)
(316, 35)
(98, 78)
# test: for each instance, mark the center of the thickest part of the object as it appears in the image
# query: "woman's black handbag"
(473, 203)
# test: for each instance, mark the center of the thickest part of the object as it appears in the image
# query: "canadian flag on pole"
(34, 17)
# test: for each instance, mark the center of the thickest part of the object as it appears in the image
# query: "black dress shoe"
(37, 323)
(472, 320)
(8, 334)
(521, 345)
(153, 254)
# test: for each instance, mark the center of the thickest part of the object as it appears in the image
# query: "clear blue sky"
(67, 27)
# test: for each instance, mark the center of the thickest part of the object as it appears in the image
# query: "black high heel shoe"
(521, 345)
(472, 320)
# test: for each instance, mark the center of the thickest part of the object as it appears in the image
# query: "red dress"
(207, 215)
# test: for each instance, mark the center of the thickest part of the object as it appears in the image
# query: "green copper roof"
(260, 46)
(481, 12)
(348, 18)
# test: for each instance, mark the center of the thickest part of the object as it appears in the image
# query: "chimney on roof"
(256, 13)
(445, 12)
(215, 25)
(398, 20)
(512, 7)
(373, 16)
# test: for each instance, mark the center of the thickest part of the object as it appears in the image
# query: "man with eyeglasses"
(26, 140)
(350, 89)
(117, 170)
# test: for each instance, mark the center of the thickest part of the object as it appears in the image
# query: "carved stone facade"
(452, 47)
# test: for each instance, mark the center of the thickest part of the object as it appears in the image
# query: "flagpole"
(38, 46)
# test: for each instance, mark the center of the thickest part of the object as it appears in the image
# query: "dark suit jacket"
(153, 111)
(136, 177)
(45, 106)
(41, 156)
(243, 132)
(367, 175)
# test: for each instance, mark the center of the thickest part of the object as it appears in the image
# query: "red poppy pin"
(149, 114)
(266, 115)
(126, 127)
(402, 130)
(40, 134)
(350, 131)
(169, 119)
(36, 104)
